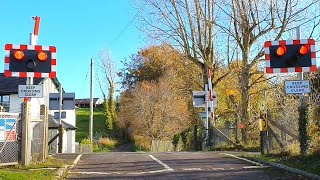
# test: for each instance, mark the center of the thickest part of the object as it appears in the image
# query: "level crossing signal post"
(298, 56)
(30, 61)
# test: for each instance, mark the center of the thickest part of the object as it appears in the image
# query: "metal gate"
(10, 138)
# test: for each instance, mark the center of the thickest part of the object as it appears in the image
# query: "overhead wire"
(117, 37)
(101, 52)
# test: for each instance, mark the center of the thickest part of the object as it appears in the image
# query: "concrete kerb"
(276, 165)
(65, 168)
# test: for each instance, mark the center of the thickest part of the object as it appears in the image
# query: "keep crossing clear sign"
(32, 91)
(297, 87)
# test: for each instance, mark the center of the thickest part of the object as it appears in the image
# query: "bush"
(107, 143)
(85, 141)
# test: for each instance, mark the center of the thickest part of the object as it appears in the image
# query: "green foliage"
(14, 174)
(112, 109)
(314, 130)
(24, 172)
(85, 141)
(303, 136)
(108, 117)
(83, 116)
(175, 140)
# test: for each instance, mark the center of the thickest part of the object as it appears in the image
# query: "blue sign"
(7, 128)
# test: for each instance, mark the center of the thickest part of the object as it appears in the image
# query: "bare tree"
(255, 21)
(189, 25)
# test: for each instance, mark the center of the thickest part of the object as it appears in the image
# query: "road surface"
(174, 165)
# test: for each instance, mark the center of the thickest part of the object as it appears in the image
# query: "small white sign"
(297, 87)
(199, 98)
(32, 91)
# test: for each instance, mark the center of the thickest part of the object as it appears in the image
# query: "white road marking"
(217, 169)
(77, 159)
(100, 173)
(254, 167)
(244, 159)
(42, 169)
(160, 162)
(192, 169)
(119, 173)
(148, 172)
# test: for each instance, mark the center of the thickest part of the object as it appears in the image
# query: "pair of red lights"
(19, 55)
(303, 50)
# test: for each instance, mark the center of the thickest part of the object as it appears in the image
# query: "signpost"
(297, 87)
(30, 91)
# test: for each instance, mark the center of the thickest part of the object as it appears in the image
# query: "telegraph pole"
(91, 102)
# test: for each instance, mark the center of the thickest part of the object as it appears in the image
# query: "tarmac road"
(174, 165)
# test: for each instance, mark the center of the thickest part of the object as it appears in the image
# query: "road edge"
(278, 166)
(61, 171)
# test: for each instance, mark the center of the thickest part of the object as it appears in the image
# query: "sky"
(78, 29)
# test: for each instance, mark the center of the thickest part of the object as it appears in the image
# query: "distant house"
(12, 103)
(85, 103)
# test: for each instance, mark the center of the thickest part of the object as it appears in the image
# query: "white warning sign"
(297, 87)
(32, 91)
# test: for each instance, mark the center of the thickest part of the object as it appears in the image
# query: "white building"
(12, 103)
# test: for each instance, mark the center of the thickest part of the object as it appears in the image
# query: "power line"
(83, 85)
(118, 36)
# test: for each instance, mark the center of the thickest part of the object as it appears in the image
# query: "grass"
(21, 174)
(24, 172)
(83, 117)
(310, 163)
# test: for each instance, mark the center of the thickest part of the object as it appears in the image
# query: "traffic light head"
(290, 56)
(30, 61)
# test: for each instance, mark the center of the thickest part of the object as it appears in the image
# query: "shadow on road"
(128, 147)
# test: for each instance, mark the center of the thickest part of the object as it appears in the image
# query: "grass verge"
(83, 116)
(308, 163)
(21, 174)
(24, 172)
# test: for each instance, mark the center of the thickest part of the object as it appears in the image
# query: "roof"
(10, 85)
(54, 124)
(85, 101)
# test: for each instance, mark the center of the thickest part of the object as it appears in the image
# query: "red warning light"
(281, 50)
(42, 56)
(18, 55)
(304, 49)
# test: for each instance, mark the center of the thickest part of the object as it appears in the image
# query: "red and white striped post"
(211, 97)
(33, 41)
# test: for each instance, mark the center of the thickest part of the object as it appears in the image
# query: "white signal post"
(34, 41)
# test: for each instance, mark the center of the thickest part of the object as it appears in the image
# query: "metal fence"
(39, 135)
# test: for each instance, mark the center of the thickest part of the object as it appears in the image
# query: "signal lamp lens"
(30, 65)
(42, 56)
(18, 55)
(304, 49)
(281, 50)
